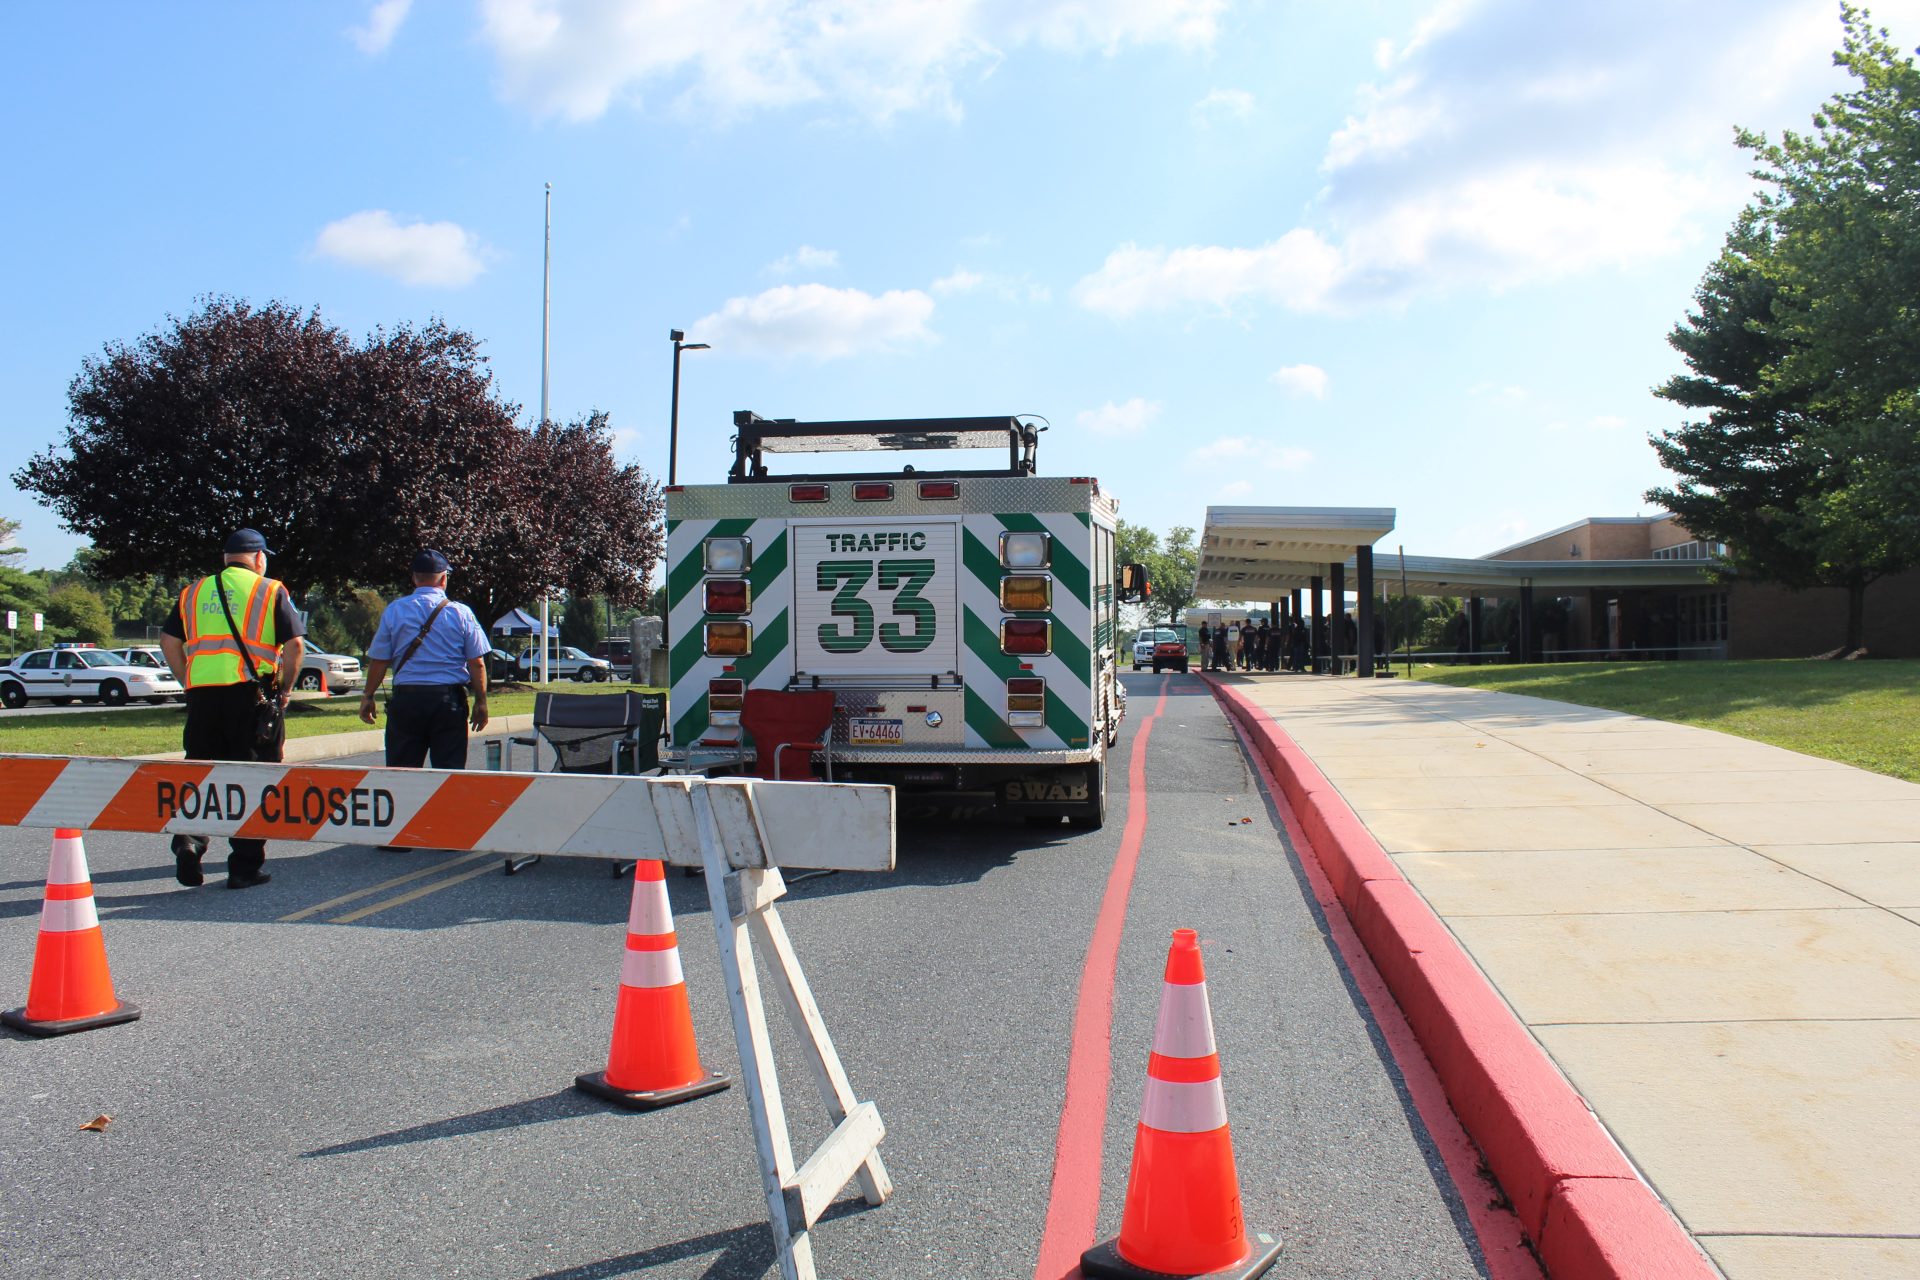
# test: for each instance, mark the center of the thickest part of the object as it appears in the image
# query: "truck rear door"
(876, 600)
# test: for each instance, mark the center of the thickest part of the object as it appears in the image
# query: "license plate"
(875, 733)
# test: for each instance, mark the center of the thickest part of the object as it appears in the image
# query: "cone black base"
(649, 1099)
(18, 1020)
(1104, 1260)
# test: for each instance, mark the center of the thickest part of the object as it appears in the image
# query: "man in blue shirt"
(434, 647)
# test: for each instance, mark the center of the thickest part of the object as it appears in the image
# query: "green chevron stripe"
(1067, 568)
(768, 565)
(984, 643)
(989, 724)
(686, 575)
(693, 720)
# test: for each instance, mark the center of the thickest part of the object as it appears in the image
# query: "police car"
(69, 671)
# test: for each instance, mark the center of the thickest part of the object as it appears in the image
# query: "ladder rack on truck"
(966, 621)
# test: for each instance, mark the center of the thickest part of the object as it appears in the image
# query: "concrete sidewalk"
(1716, 940)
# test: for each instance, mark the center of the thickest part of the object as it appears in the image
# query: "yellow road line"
(384, 884)
(421, 892)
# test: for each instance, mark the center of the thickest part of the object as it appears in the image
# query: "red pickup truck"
(1170, 653)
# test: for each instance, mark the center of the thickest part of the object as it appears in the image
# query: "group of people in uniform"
(235, 642)
(1263, 645)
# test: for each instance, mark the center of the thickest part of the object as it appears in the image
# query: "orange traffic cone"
(653, 1061)
(71, 989)
(1183, 1196)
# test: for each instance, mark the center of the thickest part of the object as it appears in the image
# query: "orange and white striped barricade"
(740, 830)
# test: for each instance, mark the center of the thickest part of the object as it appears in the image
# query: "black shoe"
(247, 881)
(187, 852)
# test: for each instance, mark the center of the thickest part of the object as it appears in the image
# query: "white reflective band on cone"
(1184, 1108)
(68, 915)
(69, 863)
(650, 912)
(652, 969)
(1185, 1029)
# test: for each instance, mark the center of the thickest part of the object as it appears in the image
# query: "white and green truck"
(966, 621)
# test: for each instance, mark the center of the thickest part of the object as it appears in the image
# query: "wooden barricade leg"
(742, 903)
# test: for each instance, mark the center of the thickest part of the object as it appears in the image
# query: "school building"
(1619, 587)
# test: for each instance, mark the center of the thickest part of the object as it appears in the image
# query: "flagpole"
(546, 343)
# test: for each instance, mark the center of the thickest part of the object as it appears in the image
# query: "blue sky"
(1409, 253)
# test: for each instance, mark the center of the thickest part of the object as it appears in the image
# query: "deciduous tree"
(1805, 350)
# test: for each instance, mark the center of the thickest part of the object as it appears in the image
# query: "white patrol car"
(340, 671)
(66, 672)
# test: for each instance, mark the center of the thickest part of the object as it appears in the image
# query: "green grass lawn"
(1859, 713)
(150, 731)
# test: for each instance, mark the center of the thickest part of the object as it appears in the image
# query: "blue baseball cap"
(430, 561)
(243, 541)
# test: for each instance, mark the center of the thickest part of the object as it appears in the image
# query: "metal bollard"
(493, 754)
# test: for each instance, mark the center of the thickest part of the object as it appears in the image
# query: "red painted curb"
(1585, 1209)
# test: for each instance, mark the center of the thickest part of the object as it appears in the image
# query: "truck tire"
(1094, 815)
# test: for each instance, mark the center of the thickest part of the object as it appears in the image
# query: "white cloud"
(819, 322)
(1297, 270)
(960, 281)
(1249, 451)
(1302, 380)
(875, 58)
(383, 23)
(1236, 489)
(805, 258)
(1223, 104)
(1507, 143)
(1128, 419)
(423, 253)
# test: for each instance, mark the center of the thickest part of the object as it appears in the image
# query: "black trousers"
(220, 727)
(427, 720)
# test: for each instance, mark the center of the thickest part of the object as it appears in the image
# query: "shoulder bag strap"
(401, 661)
(253, 672)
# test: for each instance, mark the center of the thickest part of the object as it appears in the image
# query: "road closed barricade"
(740, 831)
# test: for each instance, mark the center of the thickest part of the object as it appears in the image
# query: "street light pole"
(673, 422)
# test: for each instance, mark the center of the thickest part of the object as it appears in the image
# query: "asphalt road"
(389, 1095)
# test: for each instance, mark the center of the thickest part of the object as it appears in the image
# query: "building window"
(1695, 550)
(1703, 617)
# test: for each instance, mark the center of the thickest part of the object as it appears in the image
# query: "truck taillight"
(1025, 550)
(939, 488)
(728, 595)
(1026, 636)
(725, 698)
(729, 639)
(807, 492)
(727, 555)
(1026, 592)
(873, 491)
(1027, 702)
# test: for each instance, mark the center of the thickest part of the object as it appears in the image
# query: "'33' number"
(905, 578)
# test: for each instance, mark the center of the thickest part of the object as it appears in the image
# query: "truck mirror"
(1134, 586)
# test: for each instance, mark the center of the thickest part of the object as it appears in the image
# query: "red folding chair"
(783, 724)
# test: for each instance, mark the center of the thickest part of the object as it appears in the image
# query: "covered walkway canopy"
(1264, 553)
(1272, 554)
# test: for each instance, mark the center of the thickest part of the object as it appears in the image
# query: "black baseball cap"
(430, 561)
(243, 541)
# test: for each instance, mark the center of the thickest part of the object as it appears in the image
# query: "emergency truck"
(966, 621)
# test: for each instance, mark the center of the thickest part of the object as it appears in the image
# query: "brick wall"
(1767, 621)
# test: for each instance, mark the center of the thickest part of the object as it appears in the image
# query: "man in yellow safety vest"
(229, 637)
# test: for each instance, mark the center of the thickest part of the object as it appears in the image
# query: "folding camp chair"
(788, 724)
(609, 733)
